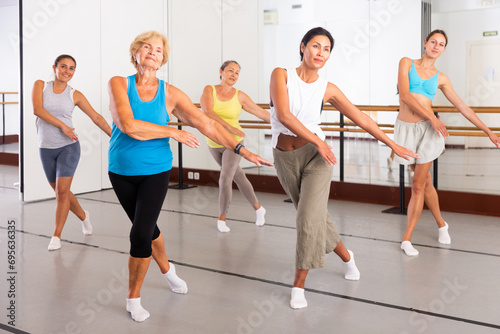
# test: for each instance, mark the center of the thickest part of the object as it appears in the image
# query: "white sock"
(389, 163)
(260, 212)
(86, 227)
(176, 284)
(351, 271)
(222, 227)
(136, 310)
(444, 236)
(408, 248)
(55, 243)
(298, 299)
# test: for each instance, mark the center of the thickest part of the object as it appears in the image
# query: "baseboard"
(452, 201)
(10, 159)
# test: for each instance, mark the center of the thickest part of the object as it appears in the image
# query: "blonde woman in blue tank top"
(53, 105)
(223, 103)
(304, 161)
(140, 158)
(420, 130)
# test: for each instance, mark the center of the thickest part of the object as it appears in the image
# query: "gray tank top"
(60, 106)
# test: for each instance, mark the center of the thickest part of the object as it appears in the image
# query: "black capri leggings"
(141, 197)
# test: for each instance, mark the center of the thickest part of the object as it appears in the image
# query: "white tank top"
(305, 101)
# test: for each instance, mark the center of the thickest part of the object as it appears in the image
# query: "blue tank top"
(129, 156)
(426, 87)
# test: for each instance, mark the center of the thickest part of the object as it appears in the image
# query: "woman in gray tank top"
(53, 105)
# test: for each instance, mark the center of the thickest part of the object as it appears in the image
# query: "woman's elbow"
(131, 131)
(282, 118)
(405, 97)
(127, 128)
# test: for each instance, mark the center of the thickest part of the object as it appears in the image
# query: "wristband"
(238, 148)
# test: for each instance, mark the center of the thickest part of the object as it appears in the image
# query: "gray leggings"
(231, 170)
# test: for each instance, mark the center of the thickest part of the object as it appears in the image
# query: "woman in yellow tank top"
(224, 103)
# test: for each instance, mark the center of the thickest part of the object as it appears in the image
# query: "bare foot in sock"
(444, 236)
(55, 244)
(176, 283)
(261, 220)
(351, 271)
(86, 227)
(222, 227)
(136, 310)
(408, 248)
(298, 298)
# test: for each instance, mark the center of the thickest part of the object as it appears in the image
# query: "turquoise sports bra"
(426, 87)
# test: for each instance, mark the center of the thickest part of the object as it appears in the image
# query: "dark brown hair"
(319, 31)
(437, 31)
(61, 57)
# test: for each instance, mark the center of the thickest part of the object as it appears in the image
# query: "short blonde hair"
(147, 37)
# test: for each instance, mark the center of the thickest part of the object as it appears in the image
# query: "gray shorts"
(59, 162)
(419, 137)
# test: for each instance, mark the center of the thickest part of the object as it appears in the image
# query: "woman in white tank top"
(53, 105)
(304, 160)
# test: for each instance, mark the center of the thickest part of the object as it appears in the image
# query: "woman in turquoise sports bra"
(418, 129)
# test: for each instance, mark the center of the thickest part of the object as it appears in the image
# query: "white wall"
(84, 30)
(202, 35)
(461, 27)
(224, 30)
(370, 39)
(101, 51)
(114, 50)
(9, 66)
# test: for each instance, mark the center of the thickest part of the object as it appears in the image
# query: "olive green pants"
(306, 176)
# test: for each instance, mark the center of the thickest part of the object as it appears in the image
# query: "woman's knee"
(419, 185)
(62, 194)
(140, 245)
(141, 241)
(225, 181)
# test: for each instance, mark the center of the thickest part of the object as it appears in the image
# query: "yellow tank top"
(229, 111)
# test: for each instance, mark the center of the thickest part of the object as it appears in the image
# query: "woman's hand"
(326, 152)
(494, 138)
(404, 152)
(254, 158)
(186, 138)
(69, 132)
(439, 126)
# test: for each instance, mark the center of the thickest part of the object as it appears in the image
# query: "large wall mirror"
(371, 36)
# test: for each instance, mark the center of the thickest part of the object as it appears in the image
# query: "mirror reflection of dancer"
(419, 129)
(304, 161)
(53, 105)
(223, 103)
(140, 157)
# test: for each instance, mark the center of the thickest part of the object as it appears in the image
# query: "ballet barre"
(3, 103)
(346, 125)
